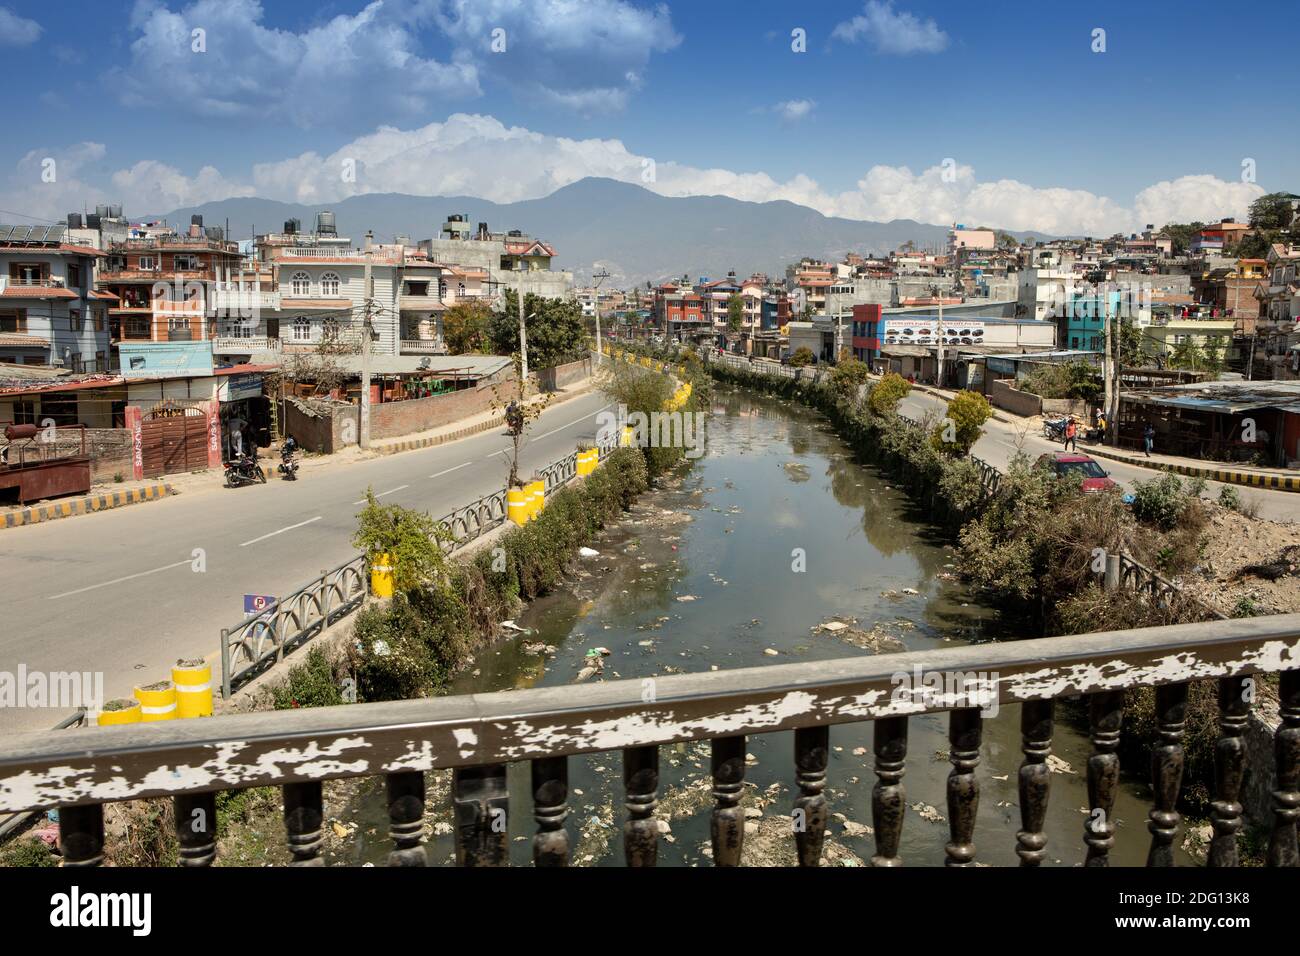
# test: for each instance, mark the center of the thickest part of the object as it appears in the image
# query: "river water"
(724, 536)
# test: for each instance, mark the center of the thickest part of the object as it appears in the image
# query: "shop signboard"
(149, 360)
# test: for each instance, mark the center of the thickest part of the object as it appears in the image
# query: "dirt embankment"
(1248, 565)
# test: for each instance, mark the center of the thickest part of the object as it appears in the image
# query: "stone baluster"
(965, 731)
(811, 751)
(1229, 769)
(481, 802)
(1167, 761)
(1036, 725)
(640, 783)
(550, 791)
(728, 821)
(889, 742)
(81, 835)
(406, 818)
(196, 828)
(1105, 715)
(1282, 842)
(304, 812)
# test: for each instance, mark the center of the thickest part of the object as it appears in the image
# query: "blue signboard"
(257, 603)
(166, 359)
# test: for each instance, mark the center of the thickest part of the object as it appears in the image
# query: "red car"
(1074, 465)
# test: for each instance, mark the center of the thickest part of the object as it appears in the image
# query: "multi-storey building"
(508, 260)
(50, 312)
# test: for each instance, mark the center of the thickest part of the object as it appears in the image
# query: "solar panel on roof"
(5, 232)
(55, 234)
(20, 234)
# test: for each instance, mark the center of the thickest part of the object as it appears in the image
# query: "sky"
(1062, 118)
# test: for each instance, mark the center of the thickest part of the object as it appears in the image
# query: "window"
(74, 276)
(98, 315)
(148, 264)
(301, 283)
(75, 321)
(24, 413)
(460, 290)
(15, 321)
(329, 284)
(185, 263)
(302, 329)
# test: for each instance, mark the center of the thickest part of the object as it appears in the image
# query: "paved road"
(116, 591)
(1001, 440)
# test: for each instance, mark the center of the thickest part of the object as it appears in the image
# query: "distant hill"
(635, 234)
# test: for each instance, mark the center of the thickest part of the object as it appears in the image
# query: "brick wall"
(1003, 395)
(393, 419)
(562, 376)
(325, 433)
(109, 450)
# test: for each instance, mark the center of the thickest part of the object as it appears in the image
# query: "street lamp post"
(600, 277)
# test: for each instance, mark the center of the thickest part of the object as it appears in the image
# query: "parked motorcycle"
(244, 471)
(288, 464)
(1054, 428)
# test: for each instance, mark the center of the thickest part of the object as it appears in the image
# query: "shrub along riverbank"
(1030, 547)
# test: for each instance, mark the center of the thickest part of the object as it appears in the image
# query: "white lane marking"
(129, 577)
(571, 424)
(448, 471)
(382, 493)
(281, 531)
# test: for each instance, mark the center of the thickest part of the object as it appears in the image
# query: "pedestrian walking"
(1149, 437)
(1071, 434)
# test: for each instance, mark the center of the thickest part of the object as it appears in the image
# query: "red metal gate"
(174, 436)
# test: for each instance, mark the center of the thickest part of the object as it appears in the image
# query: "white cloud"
(16, 30)
(794, 110)
(583, 55)
(348, 66)
(477, 155)
(891, 31)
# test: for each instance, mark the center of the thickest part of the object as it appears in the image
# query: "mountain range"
(633, 233)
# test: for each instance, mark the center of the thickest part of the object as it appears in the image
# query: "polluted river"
(776, 546)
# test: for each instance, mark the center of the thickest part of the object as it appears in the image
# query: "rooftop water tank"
(325, 223)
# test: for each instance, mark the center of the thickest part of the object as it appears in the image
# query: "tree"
(1005, 240)
(887, 393)
(963, 425)
(1187, 354)
(735, 312)
(465, 328)
(848, 376)
(1271, 211)
(802, 356)
(1130, 343)
(1182, 234)
(553, 327)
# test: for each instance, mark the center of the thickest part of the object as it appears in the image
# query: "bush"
(27, 851)
(1230, 498)
(313, 683)
(885, 395)
(411, 538)
(1159, 501)
(803, 356)
(963, 424)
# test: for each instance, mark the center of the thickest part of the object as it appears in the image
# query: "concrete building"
(508, 260)
(50, 311)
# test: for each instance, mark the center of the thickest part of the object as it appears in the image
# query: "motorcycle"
(1054, 428)
(288, 464)
(244, 471)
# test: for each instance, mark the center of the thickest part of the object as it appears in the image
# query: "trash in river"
(512, 626)
(686, 597)
(589, 552)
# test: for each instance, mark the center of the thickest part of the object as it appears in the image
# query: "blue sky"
(997, 112)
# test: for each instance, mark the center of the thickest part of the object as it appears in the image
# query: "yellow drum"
(381, 575)
(536, 497)
(628, 434)
(193, 680)
(517, 500)
(157, 701)
(126, 710)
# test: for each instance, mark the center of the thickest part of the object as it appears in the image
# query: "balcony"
(421, 303)
(245, 303)
(423, 347)
(244, 344)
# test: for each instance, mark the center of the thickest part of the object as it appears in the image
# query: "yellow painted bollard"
(124, 710)
(157, 701)
(381, 575)
(626, 439)
(193, 680)
(584, 463)
(517, 501)
(536, 497)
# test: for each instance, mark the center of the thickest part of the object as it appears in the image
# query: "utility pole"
(939, 337)
(600, 277)
(363, 438)
(523, 335)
